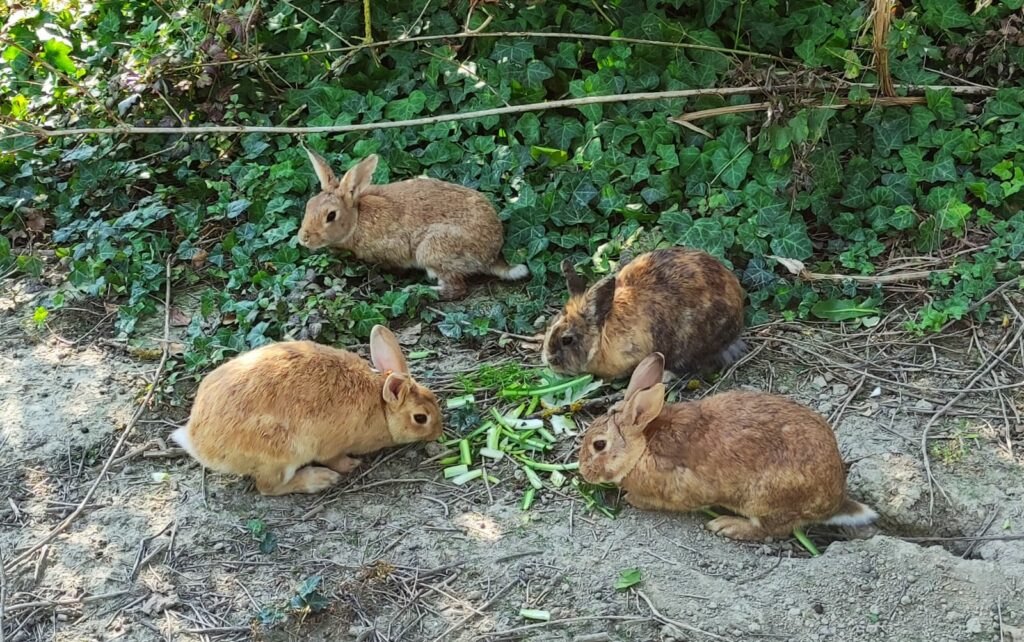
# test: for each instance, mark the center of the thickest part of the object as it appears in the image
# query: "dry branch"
(880, 33)
(442, 118)
(684, 119)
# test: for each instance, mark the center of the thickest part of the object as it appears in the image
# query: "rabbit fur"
(448, 230)
(769, 459)
(678, 301)
(292, 414)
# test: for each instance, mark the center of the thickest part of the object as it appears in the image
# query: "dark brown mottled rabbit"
(678, 301)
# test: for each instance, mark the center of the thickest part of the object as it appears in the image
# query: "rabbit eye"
(420, 418)
(567, 339)
(331, 216)
(599, 445)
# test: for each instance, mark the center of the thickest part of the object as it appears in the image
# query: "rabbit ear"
(357, 179)
(322, 169)
(396, 386)
(643, 408)
(576, 283)
(385, 352)
(647, 373)
(602, 295)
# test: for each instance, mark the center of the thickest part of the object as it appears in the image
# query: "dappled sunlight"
(479, 526)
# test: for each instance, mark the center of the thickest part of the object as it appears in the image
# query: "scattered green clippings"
(535, 614)
(492, 453)
(455, 471)
(464, 454)
(557, 479)
(533, 478)
(627, 578)
(458, 402)
(528, 498)
(467, 477)
(806, 543)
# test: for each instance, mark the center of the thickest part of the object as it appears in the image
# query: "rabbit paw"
(311, 479)
(739, 528)
(343, 464)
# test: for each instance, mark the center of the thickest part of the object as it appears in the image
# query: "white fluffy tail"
(183, 439)
(853, 514)
(510, 273)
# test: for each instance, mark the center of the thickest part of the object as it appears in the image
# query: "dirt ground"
(164, 552)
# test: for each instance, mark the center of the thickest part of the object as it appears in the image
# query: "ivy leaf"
(56, 52)
(792, 242)
(516, 51)
(537, 72)
(945, 14)
(713, 10)
(406, 108)
(563, 131)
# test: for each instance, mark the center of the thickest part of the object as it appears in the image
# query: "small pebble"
(974, 625)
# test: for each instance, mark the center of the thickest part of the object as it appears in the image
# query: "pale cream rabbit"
(292, 414)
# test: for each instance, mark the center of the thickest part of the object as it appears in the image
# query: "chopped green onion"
(492, 437)
(547, 468)
(419, 354)
(535, 614)
(533, 478)
(493, 480)
(464, 454)
(526, 424)
(458, 402)
(806, 543)
(455, 471)
(546, 436)
(447, 461)
(491, 453)
(546, 390)
(467, 477)
(557, 478)
(534, 402)
(528, 498)
(481, 430)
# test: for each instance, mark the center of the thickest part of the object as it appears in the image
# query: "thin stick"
(684, 627)
(414, 122)
(443, 118)
(978, 374)
(689, 117)
(569, 620)
(461, 623)
(60, 528)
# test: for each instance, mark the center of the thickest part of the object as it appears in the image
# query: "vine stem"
(20, 560)
(470, 115)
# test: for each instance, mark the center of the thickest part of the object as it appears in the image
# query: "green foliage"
(627, 578)
(839, 188)
(262, 535)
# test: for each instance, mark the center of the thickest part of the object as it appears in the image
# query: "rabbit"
(448, 230)
(292, 414)
(678, 301)
(769, 459)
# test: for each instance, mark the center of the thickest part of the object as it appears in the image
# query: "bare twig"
(70, 519)
(967, 388)
(636, 619)
(461, 623)
(442, 118)
(679, 625)
(3, 593)
(880, 32)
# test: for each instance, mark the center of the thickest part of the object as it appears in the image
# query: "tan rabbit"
(448, 230)
(678, 301)
(769, 459)
(291, 414)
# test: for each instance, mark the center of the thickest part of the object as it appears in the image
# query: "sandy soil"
(164, 552)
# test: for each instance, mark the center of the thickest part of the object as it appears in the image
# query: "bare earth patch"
(163, 552)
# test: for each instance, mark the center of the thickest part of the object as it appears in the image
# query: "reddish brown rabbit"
(681, 302)
(448, 230)
(291, 414)
(771, 460)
